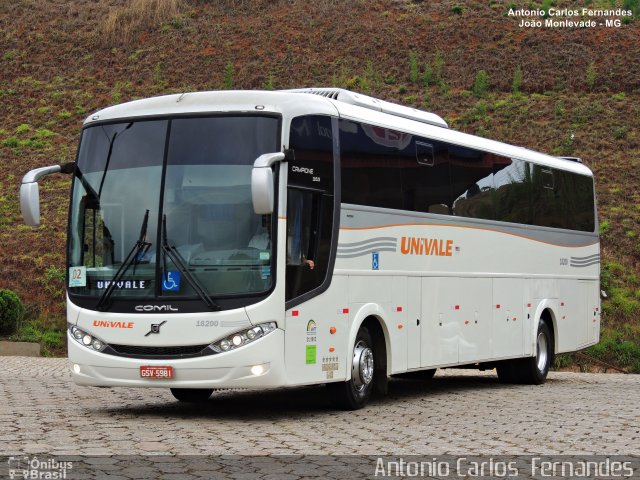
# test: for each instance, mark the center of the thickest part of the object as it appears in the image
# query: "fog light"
(76, 368)
(87, 339)
(237, 340)
(257, 370)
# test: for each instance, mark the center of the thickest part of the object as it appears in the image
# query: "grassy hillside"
(561, 91)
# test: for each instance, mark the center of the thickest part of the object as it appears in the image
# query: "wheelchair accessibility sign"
(375, 261)
(171, 282)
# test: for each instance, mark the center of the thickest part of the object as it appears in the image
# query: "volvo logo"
(155, 328)
(155, 308)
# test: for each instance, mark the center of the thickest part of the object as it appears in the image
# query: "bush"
(11, 312)
(516, 84)
(481, 84)
(413, 67)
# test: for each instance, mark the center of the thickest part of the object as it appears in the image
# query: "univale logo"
(110, 324)
(426, 246)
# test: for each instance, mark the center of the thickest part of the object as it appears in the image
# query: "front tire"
(355, 392)
(192, 395)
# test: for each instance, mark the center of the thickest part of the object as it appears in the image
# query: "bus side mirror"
(262, 189)
(30, 192)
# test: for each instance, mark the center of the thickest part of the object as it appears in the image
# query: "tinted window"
(385, 168)
(512, 190)
(546, 201)
(311, 141)
(471, 182)
(576, 194)
(425, 179)
(371, 160)
(310, 204)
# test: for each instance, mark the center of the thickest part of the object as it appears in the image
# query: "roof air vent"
(365, 101)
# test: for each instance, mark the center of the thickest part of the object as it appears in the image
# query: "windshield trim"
(124, 303)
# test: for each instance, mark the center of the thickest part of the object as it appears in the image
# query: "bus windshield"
(162, 208)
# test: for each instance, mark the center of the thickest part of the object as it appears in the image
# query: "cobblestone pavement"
(458, 412)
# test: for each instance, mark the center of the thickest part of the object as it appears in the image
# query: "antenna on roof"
(371, 103)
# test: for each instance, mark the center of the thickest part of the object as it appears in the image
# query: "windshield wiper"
(177, 259)
(136, 254)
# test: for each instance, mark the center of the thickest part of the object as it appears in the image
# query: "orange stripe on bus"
(464, 226)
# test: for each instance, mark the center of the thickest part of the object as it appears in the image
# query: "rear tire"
(531, 370)
(192, 395)
(534, 370)
(355, 392)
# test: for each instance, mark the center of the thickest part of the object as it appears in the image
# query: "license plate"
(156, 372)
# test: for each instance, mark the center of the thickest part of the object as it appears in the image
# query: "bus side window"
(300, 232)
(310, 205)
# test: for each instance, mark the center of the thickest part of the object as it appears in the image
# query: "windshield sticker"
(123, 285)
(171, 282)
(265, 272)
(265, 256)
(78, 277)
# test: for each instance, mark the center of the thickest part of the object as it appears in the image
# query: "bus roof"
(342, 103)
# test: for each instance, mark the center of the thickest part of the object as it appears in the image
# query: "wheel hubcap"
(362, 366)
(543, 351)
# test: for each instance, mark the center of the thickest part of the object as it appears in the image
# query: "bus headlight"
(243, 337)
(89, 341)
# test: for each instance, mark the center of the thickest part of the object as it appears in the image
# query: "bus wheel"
(531, 370)
(534, 370)
(355, 392)
(192, 395)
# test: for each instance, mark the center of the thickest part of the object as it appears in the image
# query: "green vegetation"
(481, 84)
(438, 64)
(427, 76)
(414, 72)
(633, 5)
(228, 75)
(457, 9)
(619, 347)
(52, 339)
(268, 82)
(546, 5)
(516, 84)
(23, 128)
(11, 311)
(591, 76)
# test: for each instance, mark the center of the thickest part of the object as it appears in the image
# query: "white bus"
(248, 239)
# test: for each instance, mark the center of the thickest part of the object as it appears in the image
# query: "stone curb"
(21, 349)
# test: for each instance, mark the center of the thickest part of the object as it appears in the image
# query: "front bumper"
(224, 370)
